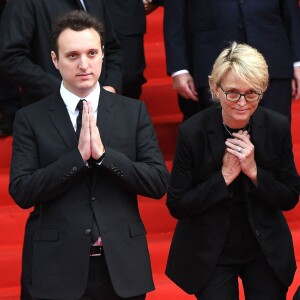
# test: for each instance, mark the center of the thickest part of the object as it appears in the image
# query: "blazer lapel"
(258, 133)
(105, 116)
(61, 120)
(216, 136)
(105, 124)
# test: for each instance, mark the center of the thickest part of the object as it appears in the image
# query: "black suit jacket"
(272, 27)
(128, 17)
(47, 170)
(26, 44)
(198, 197)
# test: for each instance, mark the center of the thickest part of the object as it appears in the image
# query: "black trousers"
(258, 278)
(189, 107)
(99, 286)
(278, 96)
(133, 64)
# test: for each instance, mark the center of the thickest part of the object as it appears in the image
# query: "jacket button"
(88, 231)
(257, 233)
(93, 199)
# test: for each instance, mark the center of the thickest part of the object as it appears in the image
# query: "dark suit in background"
(26, 45)
(48, 170)
(272, 27)
(9, 99)
(129, 21)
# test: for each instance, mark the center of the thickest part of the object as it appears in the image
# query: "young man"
(25, 32)
(90, 242)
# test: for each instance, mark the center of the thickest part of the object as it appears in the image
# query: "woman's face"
(235, 114)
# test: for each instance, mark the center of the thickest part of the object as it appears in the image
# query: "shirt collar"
(71, 99)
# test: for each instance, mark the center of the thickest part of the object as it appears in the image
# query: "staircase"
(161, 102)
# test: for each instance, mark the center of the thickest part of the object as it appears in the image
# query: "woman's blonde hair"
(245, 62)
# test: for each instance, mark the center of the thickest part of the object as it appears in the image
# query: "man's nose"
(83, 62)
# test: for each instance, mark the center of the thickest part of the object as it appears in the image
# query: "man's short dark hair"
(77, 20)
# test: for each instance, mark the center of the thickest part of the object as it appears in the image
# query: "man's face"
(79, 61)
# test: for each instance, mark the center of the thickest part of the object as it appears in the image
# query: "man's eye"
(72, 55)
(93, 53)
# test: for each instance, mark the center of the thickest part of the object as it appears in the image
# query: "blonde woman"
(233, 175)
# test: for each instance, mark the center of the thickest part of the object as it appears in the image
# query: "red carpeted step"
(154, 27)
(156, 216)
(5, 152)
(156, 61)
(12, 293)
(5, 198)
(12, 224)
(296, 122)
(166, 131)
(10, 262)
(160, 97)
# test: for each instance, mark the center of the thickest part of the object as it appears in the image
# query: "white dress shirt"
(71, 100)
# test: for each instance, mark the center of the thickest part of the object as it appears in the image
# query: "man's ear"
(54, 59)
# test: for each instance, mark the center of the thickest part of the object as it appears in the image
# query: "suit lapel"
(105, 116)
(105, 124)
(258, 133)
(216, 136)
(61, 120)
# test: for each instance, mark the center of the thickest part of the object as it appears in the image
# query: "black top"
(241, 245)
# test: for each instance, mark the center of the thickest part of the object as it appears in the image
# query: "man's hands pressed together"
(90, 143)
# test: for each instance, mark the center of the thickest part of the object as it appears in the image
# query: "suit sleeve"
(279, 188)
(186, 198)
(17, 30)
(147, 175)
(30, 183)
(291, 18)
(176, 33)
(112, 57)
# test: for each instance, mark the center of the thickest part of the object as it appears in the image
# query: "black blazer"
(47, 170)
(26, 44)
(273, 27)
(198, 197)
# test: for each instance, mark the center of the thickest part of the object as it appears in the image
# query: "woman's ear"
(215, 89)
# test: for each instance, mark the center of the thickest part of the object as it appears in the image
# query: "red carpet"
(162, 105)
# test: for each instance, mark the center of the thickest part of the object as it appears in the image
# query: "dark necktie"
(79, 117)
(95, 230)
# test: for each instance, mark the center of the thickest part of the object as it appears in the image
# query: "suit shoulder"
(38, 106)
(201, 119)
(123, 100)
(273, 118)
